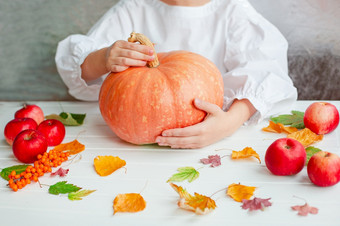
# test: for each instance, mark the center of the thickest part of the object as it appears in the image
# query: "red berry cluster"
(43, 165)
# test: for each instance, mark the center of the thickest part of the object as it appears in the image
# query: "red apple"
(321, 117)
(53, 130)
(285, 156)
(30, 111)
(28, 144)
(15, 126)
(324, 169)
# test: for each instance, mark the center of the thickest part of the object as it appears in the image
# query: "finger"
(178, 142)
(136, 47)
(206, 106)
(118, 68)
(193, 130)
(135, 55)
(124, 61)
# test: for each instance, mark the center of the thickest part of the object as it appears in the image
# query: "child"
(250, 53)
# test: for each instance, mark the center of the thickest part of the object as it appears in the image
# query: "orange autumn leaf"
(105, 165)
(197, 203)
(279, 128)
(245, 153)
(73, 147)
(306, 137)
(129, 202)
(239, 192)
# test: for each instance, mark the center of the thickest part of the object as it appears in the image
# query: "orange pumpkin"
(141, 102)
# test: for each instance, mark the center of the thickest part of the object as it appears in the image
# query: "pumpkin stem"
(142, 39)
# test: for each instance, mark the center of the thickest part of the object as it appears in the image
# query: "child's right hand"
(123, 54)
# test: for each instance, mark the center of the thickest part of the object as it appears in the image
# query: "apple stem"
(29, 136)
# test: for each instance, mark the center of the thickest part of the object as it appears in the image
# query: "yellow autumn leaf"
(306, 137)
(73, 147)
(279, 128)
(239, 192)
(129, 202)
(245, 153)
(105, 165)
(197, 203)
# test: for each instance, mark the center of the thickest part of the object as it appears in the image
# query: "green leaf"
(310, 151)
(78, 195)
(68, 119)
(62, 188)
(17, 168)
(294, 120)
(184, 173)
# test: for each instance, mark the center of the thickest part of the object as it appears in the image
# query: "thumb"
(206, 106)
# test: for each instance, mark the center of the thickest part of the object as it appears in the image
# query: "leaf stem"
(217, 192)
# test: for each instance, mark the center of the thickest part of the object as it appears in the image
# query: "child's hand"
(216, 125)
(123, 54)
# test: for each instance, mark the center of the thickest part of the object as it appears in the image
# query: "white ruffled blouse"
(249, 51)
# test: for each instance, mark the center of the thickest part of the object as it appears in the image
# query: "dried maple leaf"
(305, 209)
(197, 203)
(240, 192)
(184, 173)
(306, 137)
(73, 147)
(255, 204)
(279, 128)
(245, 153)
(214, 160)
(105, 165)
(78, 195)
(129, 202)
(61, 172)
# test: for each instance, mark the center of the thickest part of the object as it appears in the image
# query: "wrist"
(242, 109)
(94, 65)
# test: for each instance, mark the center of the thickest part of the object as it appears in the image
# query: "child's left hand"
(216, 125)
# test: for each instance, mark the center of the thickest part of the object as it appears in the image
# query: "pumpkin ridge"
(140, 102)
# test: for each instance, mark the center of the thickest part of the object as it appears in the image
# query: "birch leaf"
(130, 202)
(73, 147)
(240, 192)
(106, 165)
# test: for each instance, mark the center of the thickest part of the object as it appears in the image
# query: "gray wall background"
(30, 31)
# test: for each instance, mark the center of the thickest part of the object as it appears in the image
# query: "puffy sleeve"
(72, 51)
(256, 63)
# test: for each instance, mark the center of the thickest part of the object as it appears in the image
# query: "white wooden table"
(146, 172)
